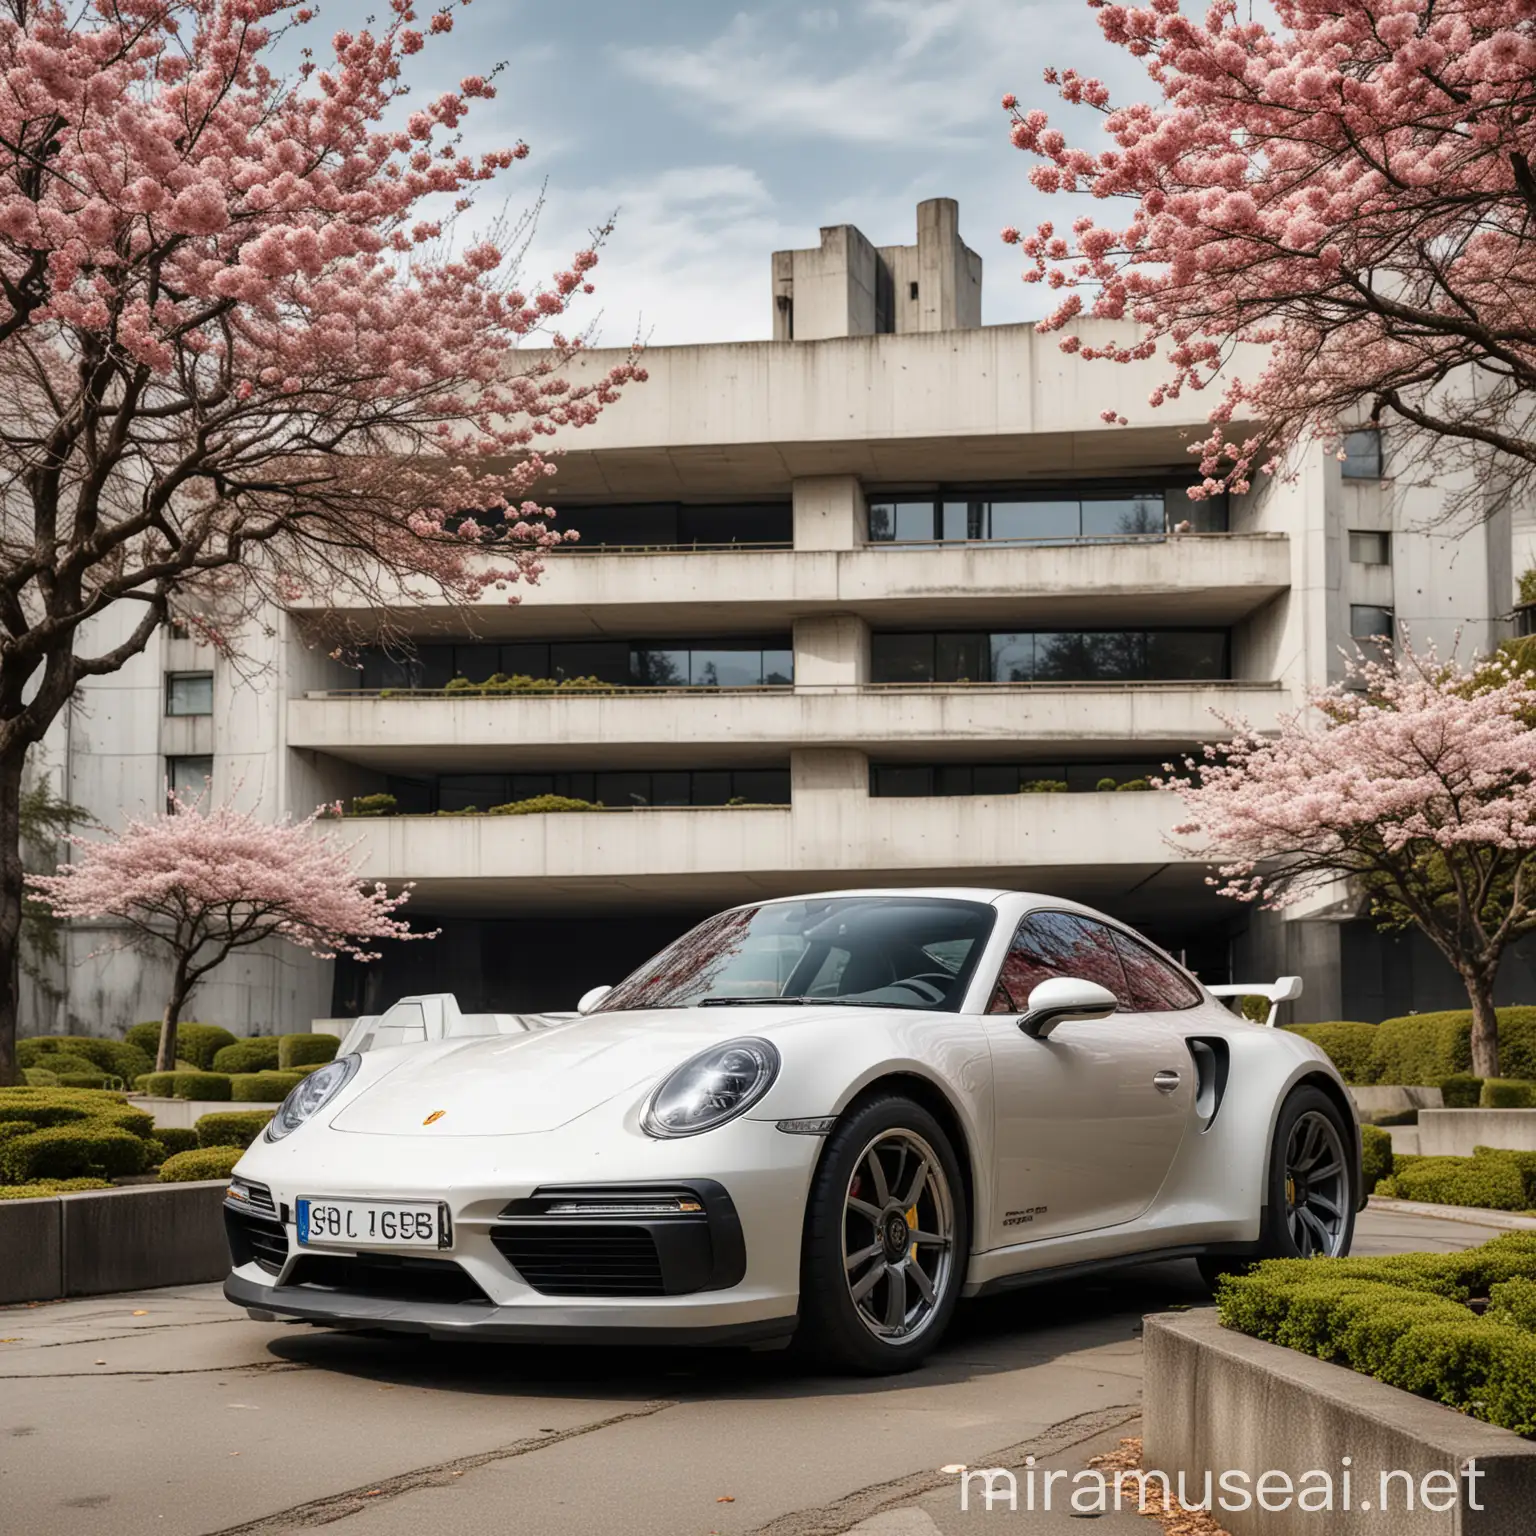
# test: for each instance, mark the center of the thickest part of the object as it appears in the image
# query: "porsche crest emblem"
(436, 1115)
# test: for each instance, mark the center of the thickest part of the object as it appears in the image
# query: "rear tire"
(887, 1237)
(1314, 1179)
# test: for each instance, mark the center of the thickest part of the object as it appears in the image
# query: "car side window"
(1153, 985)
(1052, 944)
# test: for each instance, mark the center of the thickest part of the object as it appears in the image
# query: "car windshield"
(869, 951)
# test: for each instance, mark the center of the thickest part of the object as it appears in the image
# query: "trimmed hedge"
(1403, 1320)
(36, 1077)
(309, 1050)
(1514, 1301)
(197, 1043)
(203, 1163)
(236, 1128)
(117, 1058)
(1492, 1179)
(264, 1087)
(177, 1138)
(1506, 1093)
(71, 1151)
(258, 1054)
(42, 1188)
(1422, 1048)
(1461, 1091)
(1376, 1162)
(1349, 1045)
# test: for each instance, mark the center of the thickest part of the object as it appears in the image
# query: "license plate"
(371, 1223)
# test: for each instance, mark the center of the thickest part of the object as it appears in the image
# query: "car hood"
(520, 1084)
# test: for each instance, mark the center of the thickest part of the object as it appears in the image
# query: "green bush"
(9, 1128)
(92, 1079)
(202, 1163)
(116, 1058)
(71, 1151)
(157, 1084)
(1043, 787)
(258, 1054)
(1104, 785)
(310, 1050)
(374, 805)
(1422, 1048)
(177, 1138)
(59, 1062)
(1349, 1045)
(1514, 1302)
(37, 1077)
(1404, 1320)
(1376, 1163)
(42, 1188)
(1132, 784)
(199, 1085)
(264, 1087)
(538, 804)
(234, 1128)
(197, 1043)
(56, 1106)
(1506, 1093)
(1491, 1182)
(499, 683)
(1461, 1091)
(1524, 1161)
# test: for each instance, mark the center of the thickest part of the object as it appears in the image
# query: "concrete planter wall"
(1221, 1402)
(112, 1240)
(1455, 1132)
(185, 1113)
(1390, 1099)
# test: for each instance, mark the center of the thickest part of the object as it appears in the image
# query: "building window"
(1059, 656)
(679, 525)
(1362, 454)
(1371, 625)
(1064, 516)
(1370, 548)
(942, 780)
(758, 662)
(189, 778)
(189, 693)
(617, 789)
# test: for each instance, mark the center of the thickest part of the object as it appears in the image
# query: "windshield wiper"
(761, 1002)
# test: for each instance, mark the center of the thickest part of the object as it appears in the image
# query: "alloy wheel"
(1316, 1186)
(898, 1235)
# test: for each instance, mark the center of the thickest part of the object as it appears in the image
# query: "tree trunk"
(12, 894)
(165, 1056)
(1485, 1026)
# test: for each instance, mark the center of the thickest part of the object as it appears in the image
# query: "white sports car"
(827, 1117)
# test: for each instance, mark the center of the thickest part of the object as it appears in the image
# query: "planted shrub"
(41, 1107)
(1422, 1048)
(258, 1054)
(1524, 1161)
(1376, 1156)
(263, 1087)
(177, 1138)
(1404, 1320)
(71, 1151)
(157, 1084)
(1514, 1301)
(374, 805)
(200, 1085)
(116, 1058)
(37, 1077)
(91, 1079)
(1104, 785)
(41, 1189)
(201, 1163)
(64, 1061)
(1043, 787)
(1348, 1044)
(537, 805)
(197, 1043)
(311, 1050)
(234, 1128)
(1461, 1091)
(1506, 1093)
(1490, 1183)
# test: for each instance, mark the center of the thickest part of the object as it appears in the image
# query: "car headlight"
(715, 1086)
(311, 1096)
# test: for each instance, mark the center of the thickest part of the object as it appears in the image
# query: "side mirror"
(1062, 999)
(590, 1000)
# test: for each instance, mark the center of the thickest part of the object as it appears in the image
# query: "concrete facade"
(880, 390)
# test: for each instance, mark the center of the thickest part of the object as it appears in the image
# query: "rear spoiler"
(1287, 989)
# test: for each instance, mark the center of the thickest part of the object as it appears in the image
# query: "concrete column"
(830, 512)
(828, 792)
(948, 274)
(1275, 945)
(831, 649)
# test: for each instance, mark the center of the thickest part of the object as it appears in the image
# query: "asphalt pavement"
(170, 1412)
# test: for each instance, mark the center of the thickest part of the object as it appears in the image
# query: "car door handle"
(1166, 1080)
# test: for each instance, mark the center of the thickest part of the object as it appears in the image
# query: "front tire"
(1313, 1178)
(887, 1236)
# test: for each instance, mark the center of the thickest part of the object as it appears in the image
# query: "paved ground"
(170, 1412)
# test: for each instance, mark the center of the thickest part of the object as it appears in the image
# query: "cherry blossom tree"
(245, 352)
(201, 885)
(1351, 188)
(1418, 783)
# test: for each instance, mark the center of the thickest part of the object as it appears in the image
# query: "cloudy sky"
(721, 133)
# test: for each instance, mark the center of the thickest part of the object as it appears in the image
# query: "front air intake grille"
(394, 1277)
(561, 1258)
(256, 1238)
(259, 1196)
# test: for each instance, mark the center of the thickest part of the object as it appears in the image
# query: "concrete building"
(881, 600)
